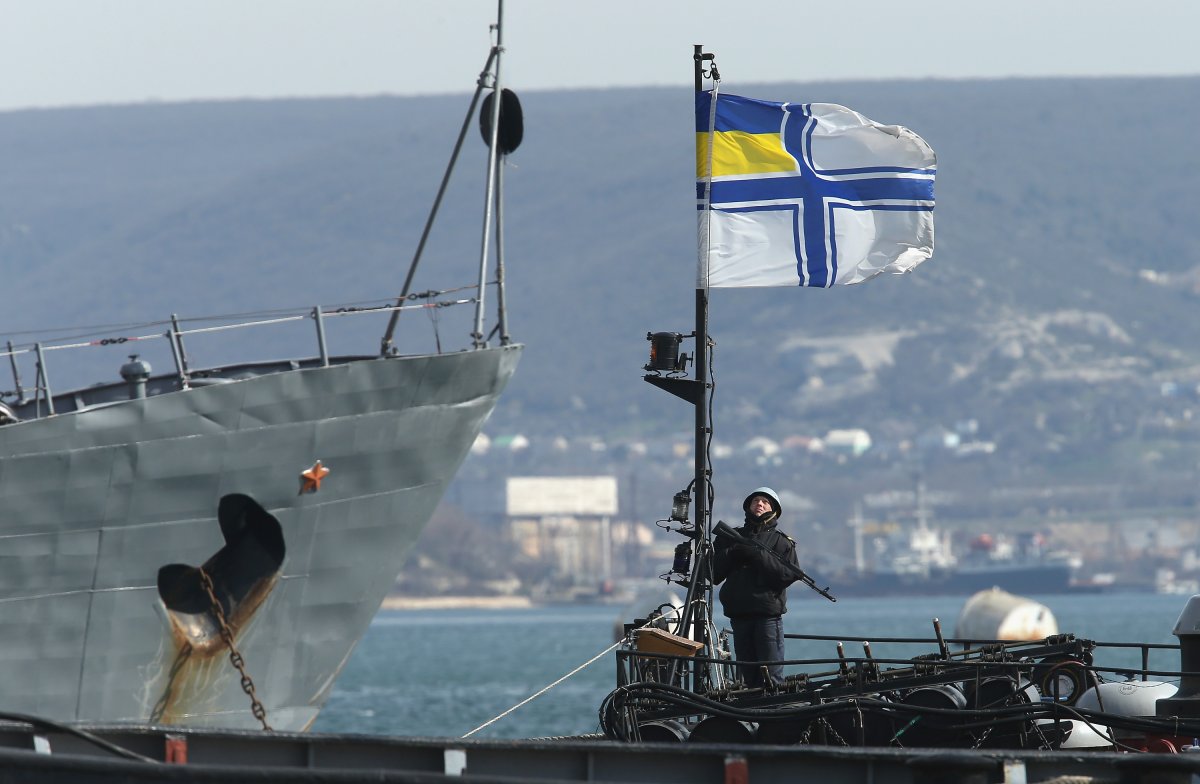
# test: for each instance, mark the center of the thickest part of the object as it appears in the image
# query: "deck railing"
(176, 332)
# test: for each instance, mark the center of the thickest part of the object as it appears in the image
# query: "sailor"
(754, 595)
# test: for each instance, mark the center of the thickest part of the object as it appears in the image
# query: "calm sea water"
(444, 673)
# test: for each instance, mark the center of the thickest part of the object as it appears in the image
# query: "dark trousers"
(758, 638)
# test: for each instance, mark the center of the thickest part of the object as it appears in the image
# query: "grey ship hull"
(1048, 578)
(94, 502)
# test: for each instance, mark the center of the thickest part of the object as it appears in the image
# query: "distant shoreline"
(455, 602)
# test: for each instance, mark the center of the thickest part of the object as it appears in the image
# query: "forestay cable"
(581, 667)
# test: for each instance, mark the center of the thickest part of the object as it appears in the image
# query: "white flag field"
(807, 194)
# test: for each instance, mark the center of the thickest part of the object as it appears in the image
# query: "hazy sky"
(72, 52)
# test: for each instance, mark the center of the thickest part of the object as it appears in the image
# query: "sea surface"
(443, 673)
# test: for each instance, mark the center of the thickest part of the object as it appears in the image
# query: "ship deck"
(52, 754)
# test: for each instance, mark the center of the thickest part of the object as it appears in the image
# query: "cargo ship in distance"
(205, 547)
(1049, 574)
(919, 560)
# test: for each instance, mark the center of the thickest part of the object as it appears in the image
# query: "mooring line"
(583, 666)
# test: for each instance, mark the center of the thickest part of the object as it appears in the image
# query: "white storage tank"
(995, 614)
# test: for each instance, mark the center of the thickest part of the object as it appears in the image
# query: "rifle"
(722, 529)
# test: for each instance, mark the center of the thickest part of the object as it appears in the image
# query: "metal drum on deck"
(946, 696)
(719, 729)
(665, 731)
(859, 724)
(929, 729)
(997, 693)
(786, 732)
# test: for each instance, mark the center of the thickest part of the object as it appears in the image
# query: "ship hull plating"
(95, 502)
(1027, 579)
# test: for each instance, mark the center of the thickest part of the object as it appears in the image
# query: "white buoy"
(1125, 698)
(1080, 735)
(998, 615)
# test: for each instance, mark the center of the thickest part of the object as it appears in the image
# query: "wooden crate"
(659, 641)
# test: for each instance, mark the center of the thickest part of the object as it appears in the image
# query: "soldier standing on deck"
(754, 595)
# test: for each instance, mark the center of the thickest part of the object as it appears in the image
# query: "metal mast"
(493, 60)
(489, 197)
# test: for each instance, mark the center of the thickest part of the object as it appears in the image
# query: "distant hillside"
(1034, 316)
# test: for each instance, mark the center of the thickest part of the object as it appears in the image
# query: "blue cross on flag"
(807, 194)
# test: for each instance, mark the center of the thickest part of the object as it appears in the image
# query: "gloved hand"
(740, 553)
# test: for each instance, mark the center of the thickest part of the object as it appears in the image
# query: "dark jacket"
(755, 581)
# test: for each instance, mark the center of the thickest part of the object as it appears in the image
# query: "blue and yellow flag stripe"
(746, 140)
(765, 179)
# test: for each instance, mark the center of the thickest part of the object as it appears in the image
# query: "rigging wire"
(544, 689)
(548, 687)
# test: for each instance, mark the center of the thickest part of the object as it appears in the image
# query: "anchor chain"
(235, 657)
(829, 729)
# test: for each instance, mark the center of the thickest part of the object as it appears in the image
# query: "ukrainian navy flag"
(807, 194)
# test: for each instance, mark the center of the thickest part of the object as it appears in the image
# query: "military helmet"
(766, 493)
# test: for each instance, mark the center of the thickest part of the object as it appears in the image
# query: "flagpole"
(701, 364)
(701, 583)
